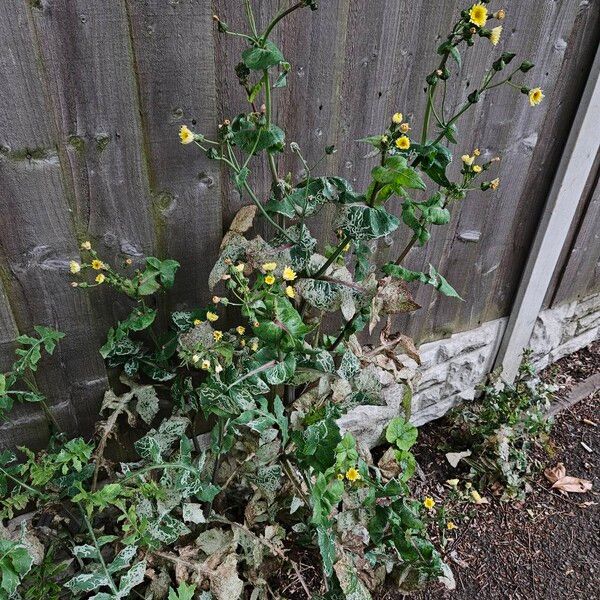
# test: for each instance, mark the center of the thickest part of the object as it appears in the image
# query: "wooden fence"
(92, 93)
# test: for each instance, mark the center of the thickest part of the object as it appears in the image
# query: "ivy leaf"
(184, 592)
(260, 58)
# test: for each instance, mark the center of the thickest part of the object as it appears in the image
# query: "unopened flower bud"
(500, 15)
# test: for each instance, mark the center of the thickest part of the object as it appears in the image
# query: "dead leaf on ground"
(455, 457)
(560, 481)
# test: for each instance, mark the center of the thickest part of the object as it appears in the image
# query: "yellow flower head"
(397, 118)
(185, 135)
(468, 160)
(240, 329)
(289, 274)
(403, 142)
(197, 322)
(429, 503)
(86, 246)
(196, 358)
(240, 268)
(477, 169)
(405, 128)
(352, 474)
(478, 14)
(495, 183)
(74, 267)
(269, 280)
(212, 317)
(100, 278)
(535, 96)
(270, 266)
(242, 342)
(495, 35)
(451, 525)
(254, 346)
(476, 152)
(218, 335)
(98, 264)
(289, 291)
(206, 365)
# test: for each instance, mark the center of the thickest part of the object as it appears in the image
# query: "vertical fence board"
(173, 47)
(36, 215)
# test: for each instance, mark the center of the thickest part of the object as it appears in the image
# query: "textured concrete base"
(452, 368)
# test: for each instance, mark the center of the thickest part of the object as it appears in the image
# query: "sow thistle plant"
(239, 455)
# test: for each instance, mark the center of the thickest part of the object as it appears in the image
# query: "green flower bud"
(473, 97)
(431, 79)
(526, 66)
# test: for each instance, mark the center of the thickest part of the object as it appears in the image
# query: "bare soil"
(547, 547)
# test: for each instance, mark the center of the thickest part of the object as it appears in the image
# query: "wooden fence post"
(573, 171)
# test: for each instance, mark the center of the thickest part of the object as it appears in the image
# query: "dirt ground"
(547, 547)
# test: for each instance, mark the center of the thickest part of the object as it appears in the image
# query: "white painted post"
(569, 182)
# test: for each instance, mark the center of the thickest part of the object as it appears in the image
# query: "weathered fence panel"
(92, 94)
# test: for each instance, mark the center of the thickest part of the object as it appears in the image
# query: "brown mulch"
(547, 547)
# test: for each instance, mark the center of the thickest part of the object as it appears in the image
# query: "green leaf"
(241, 177)
(398, 175)
(253, 139)
(261, 58)
(184, 592)
(433, 278)
(325, 539)
(362, 222)
(401, 433)
(456, 55)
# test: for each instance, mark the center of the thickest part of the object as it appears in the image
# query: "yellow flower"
(468, 160)
(254, 346)
(185, 135)
(340, 476)
(403, 143)
(495, 183)
(289, 274)
(384, 139)
(477, 169)
(500, 15)
(270, 266)
(74, 267)
(346, 247)
(240, 329)
(242, 342)
(195, 358)
(405, 128)
(98, 264)
(197, 322)
(478, 14)
(269, 280)
(86, 246)
(218, 335)
(100, 278)
(240, 268)
(352, 474)
(429, 503)
(289, 291)
(535, 96)
(212, 317)
(495, 35)
(451, 525)
(397, 118)
(476, 152)
(206, 365)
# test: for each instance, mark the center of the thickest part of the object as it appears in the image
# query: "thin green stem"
(426, 119)
(21, 483)
(250, 17)
(107, 574)
(339, 249)
(278, 18)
